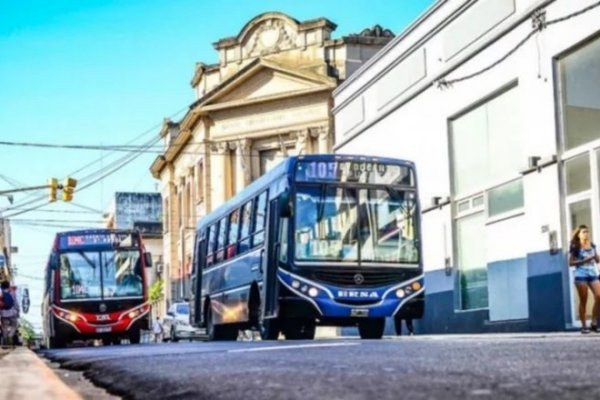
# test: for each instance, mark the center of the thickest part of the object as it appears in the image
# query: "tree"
(157, 291)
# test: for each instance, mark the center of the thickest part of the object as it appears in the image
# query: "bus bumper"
(328, 301)
(97, 325)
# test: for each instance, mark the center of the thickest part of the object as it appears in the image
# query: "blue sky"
(103, 72)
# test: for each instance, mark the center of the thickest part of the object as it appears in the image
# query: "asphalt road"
(435, 367)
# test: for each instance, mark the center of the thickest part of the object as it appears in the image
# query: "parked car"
(176, 324)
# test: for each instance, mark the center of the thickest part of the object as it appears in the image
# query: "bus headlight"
(312, 292)
(295, 284)
(416, 286)
(133, 314)
(400, 293)
(73, 317)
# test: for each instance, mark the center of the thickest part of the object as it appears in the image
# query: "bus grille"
(371, 278)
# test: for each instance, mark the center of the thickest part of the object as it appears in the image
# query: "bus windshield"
(334, 223)
(100, 275)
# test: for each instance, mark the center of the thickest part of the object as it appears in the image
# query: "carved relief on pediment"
(271, 36)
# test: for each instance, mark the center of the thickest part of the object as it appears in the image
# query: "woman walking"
(583, 257)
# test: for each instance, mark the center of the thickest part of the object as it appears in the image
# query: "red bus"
(95, 287)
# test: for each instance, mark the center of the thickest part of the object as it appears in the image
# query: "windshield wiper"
(87, 259)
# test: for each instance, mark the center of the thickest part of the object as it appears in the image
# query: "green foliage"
(26, 330)
(157, 291)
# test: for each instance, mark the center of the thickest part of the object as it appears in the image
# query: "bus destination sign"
(113, 239)
(353, 171)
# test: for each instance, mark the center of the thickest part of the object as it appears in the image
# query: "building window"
(179, 207)
(471, 258)
(189, 205)
(486, 156)
(199, 182)
(580, 87)
(268, 159)
(166, 213)
(231, 180)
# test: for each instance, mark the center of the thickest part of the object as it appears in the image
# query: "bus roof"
(286, 167)
(94, 231)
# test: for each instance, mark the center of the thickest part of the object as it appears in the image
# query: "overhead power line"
(117, 148)
(42, 200)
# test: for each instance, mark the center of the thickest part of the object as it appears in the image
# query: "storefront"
(498, 104)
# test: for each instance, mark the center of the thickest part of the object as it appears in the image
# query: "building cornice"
(318, 23)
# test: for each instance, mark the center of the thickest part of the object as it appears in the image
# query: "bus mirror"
(148, 259)
(285, 208)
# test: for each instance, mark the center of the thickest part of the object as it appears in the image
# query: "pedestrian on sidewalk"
(583, 257)
(157, 330)
(9, 314)
(409, 326)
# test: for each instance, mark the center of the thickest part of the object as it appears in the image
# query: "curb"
(26, 376)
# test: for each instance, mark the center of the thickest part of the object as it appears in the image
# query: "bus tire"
(219, 332)
(56, 343)
(134, 335)
(299, 329)
(269, 329)
(371, 328)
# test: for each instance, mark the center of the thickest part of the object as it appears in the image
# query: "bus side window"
(212, 236)
(258, 236)
(234, 225)
(222, 239)
(245, 227)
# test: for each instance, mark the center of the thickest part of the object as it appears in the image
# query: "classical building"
(269, 96)
(498, 104)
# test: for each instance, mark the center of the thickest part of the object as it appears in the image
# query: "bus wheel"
(56, 343)
(134, 335)
(371, 328)
(269, 329)
(299, 329)
(219, 332)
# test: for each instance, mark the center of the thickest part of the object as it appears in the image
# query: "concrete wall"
(396, 100)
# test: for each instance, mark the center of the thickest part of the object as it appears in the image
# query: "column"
(244, 164)
(323, 142)
(218, 173)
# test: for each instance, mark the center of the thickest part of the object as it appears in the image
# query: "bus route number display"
(112, 239)
(352, 171)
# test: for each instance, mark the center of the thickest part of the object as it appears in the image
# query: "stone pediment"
(265, 80)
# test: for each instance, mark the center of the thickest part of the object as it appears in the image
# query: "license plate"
(359, 312)
(104, 329)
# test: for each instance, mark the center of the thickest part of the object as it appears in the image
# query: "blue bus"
(325, 239)
(95, 287)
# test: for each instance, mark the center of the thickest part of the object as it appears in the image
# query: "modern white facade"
(508, 159)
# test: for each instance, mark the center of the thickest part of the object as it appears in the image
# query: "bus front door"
(270, 255)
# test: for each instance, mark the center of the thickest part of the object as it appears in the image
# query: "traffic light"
(53, 185)
(68, 189)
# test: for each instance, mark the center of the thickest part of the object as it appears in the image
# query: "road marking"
(296, 346)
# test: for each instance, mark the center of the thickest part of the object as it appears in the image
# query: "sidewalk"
(25, 376)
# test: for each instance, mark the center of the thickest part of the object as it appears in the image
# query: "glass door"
(582, 208)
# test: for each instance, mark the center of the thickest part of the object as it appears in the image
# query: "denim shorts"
(586, 274)
(585, 279)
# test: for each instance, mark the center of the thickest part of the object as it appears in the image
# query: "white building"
(510, 155)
